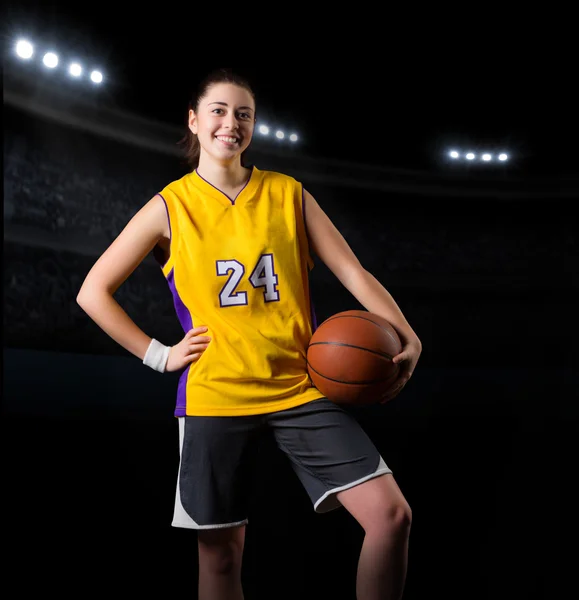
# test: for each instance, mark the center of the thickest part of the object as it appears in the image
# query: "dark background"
(482, 261)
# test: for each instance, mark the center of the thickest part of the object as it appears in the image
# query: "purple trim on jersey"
(183, 313)
(312, 308)
(216, 188)
(186, 321)
(170, 231)
(168, 217)
(181, 406)
(304, 216)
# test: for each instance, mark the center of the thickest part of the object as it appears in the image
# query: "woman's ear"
(192, 122)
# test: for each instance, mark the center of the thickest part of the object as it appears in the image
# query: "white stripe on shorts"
(180, 516)
(329, 501)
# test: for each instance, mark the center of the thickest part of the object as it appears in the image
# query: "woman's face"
(224, 121)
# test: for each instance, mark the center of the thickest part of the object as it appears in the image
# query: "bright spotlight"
(24, 49)
(264, 129)
(96, 76)
(470, 156)
(293, 137)
(279, 135)
(50, 60)
(486, 157)
(453, 154)
(503, 156)
(75, 70)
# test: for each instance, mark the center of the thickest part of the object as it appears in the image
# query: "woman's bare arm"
(114, 266)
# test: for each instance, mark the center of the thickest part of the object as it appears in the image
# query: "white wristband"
(156, 356)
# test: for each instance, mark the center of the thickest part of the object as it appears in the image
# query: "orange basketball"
(349, 357)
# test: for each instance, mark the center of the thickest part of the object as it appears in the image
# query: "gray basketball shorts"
(328, 449)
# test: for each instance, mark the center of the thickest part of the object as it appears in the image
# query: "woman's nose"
(231, 121)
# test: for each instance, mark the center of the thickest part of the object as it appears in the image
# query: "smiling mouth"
(227, 139)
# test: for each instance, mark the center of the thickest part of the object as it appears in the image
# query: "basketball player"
(235, 247)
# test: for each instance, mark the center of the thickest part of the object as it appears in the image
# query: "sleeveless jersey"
(240, 267)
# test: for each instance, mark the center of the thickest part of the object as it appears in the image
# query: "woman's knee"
(390, 520)
(221, 550)
(378, 505)
(399, 515)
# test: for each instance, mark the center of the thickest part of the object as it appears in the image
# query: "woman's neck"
(221, 175)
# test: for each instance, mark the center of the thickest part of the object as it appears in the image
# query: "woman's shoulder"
(278, 177)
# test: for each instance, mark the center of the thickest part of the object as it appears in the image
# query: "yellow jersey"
(240, 266)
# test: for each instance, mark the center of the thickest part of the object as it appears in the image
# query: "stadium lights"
(279, 134)
(25, 50)
(50, 60)
(96, 76)
(75, 70)
(486, 157)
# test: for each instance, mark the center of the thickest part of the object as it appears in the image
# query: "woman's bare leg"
(381, 509)
(220, 558)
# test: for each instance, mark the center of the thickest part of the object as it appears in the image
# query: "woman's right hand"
(188, 350)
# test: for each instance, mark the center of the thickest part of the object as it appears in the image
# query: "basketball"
(349, 357)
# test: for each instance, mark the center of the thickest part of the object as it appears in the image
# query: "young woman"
(235, 247)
